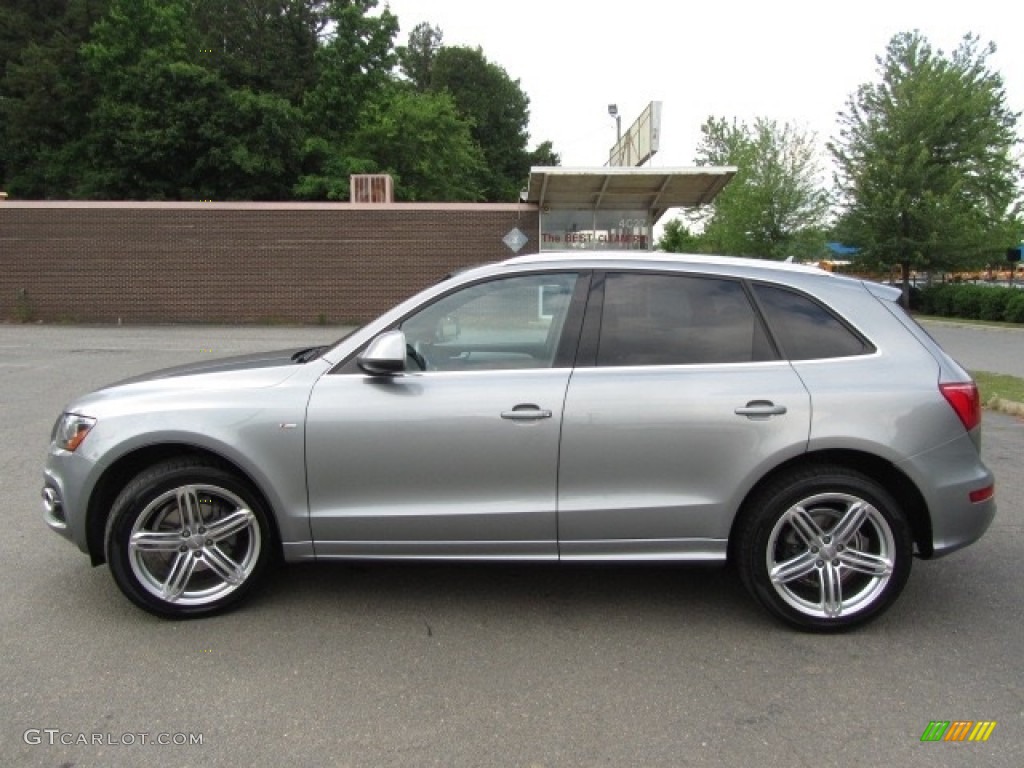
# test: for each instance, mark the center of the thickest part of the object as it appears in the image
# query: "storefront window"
(621, 230)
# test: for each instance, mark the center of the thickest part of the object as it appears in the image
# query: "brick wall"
(237, 262)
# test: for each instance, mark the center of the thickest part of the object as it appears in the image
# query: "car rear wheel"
(824, 548)
(187, 538)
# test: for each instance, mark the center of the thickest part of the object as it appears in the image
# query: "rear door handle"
(526, 412)
(760, 409)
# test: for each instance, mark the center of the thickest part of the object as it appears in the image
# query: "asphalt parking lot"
(383, 665)
(999, 349)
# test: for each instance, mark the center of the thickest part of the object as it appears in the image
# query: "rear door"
(679, 404)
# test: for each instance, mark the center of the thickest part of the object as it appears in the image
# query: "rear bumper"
(968, 527)
(950, 474)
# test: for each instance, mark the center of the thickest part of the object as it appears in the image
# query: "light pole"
(613, 110)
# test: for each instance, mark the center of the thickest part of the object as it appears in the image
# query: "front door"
(457, 456)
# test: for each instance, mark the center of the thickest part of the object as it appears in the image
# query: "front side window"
(514, 322)
(658, 319)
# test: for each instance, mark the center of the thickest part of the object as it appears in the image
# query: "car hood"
(231, 385)
(251, 362)
(199, 379)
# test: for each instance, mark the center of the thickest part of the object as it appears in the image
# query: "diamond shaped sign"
(515, 239)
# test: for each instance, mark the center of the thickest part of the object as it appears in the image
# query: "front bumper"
(65, 477)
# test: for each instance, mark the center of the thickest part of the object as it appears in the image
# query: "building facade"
(238, 262)
(336, 263)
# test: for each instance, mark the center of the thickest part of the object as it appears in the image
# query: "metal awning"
(614, 188)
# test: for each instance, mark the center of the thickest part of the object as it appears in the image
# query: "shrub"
(972, 302)
(937, 299)
(916, 298)
(967, 300)
(1014, 312)
(993, 303)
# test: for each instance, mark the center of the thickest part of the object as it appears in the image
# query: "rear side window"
(658, 319)
(805, 329)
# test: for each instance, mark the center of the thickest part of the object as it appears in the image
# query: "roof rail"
(663, 256)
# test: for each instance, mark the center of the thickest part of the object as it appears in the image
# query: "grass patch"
(999, 386)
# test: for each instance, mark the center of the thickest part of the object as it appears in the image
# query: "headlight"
(71, 429)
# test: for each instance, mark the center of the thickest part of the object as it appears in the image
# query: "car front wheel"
(186, 538)
(824, 548)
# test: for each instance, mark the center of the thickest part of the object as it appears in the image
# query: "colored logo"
(958, 730)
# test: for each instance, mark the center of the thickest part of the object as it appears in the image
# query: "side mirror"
(385, 355)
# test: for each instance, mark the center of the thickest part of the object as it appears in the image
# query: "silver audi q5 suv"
(578, 407)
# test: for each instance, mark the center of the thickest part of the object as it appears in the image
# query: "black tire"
(187, 538)
(824, 548)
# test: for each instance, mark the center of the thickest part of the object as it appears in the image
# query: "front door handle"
(760, 409)
(526, 412)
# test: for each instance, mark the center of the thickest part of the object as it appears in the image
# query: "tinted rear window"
(805, 329)
(657, 319)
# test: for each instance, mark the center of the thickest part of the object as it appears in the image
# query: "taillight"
(982, 494)
(965, 400)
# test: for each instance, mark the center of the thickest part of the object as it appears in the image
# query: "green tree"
(267, 46)
(677, 238)
(416, 59)
(27, 22)
(544, 155)
(354, 65)
(259, 156)
(498, 110)
(144, 134)
(925, 159)
(45, 93)
(423, 142)
(262, 99)
(420, 139)
(775, 206)
(165, 127)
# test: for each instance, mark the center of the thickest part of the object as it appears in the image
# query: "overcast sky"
(790, 60)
